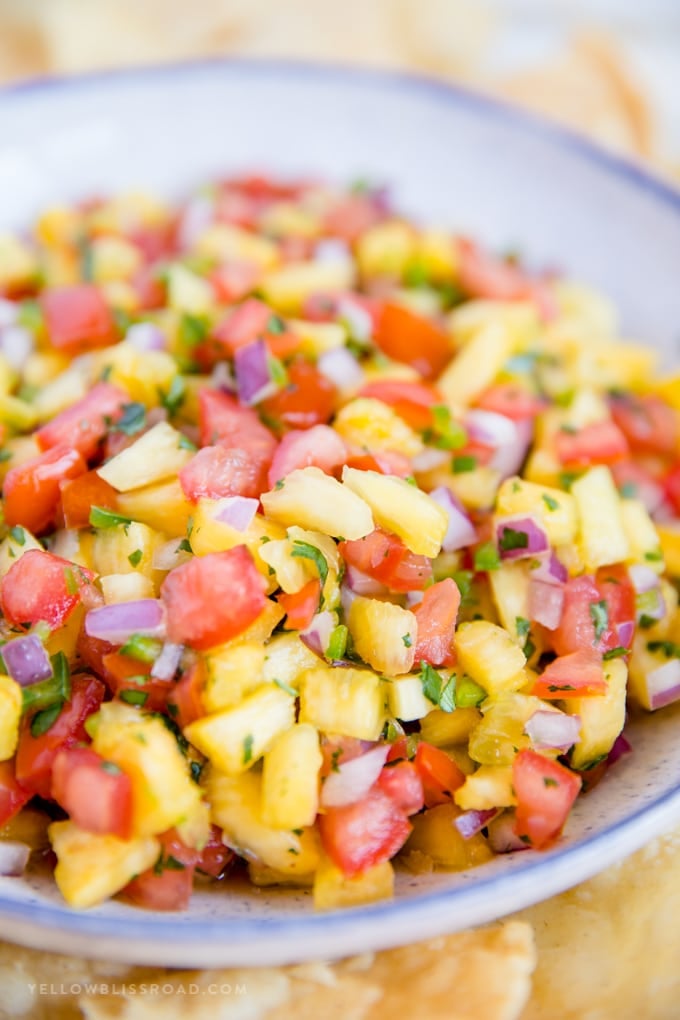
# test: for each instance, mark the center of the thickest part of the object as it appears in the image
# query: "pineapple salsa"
(326, 538)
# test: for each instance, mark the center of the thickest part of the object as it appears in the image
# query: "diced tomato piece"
(636, 481)
(224, 421)
(413, 339)
(319, 447)
(308, 399)
(603, 442)
(233, 281)
(123, 673)
(12, 796)
(545, 793)
(212, 598)
(96, 794)
(402, 783)
(616, 588)
(40, 586)
(413, 401)
(35, 755)
(386, 462)
(593, 609)
(31, 490)
(440, 775)
(253, 320)
(217, 471)
(77, 318)
(363, 834)
(483, 275)
(436, 616)
(385, 558)
(84, 424)
(215, 857)
(572, 676)
(648, 423)
(185, 703)
(301, 606)
(399, 749)
(79, 495)
(336, 749)
(351, 215)
(150, 289)
(672, 487)
(512, 400)
(169, 883)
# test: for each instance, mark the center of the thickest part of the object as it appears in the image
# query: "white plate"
(452, 158)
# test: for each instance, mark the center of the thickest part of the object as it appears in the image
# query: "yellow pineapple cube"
(520, 318)
(333, 889)
(386, 249)
(287, 656)
(224, 242)
(113, 259)
(510, 589)
(61, 392)
(289, 219)
(188, 292)
(384, 635)
(126, 587)
(157, 455)
(554, 509)
(311, 499)
(643, 539)
(543, 468)
(489, 787)
(262, 626)
(489, 655)
(18, 413)
(445, 728)
(402, 508)
(162, 506)
(476, 365)
(235, 738)
(11, 706)
(290, 572)
(145, 375)
(669, 537)
(435, 835)
(368, 424)
(236, 807)
(287, 288)
(347, 701)
(497, 738)
(18, 264)
(405, 698)
(602, 716)
(262, 876)
(126, 549)
(232, 672)
(476, 489)
(317, 337)
(290, 779)
(643, 662)
(299, 539)
(18, 541)
(603, 538)
(437, 252)
(91, 868)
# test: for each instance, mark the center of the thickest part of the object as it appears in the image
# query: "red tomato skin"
(217, 471)
(320, 446)
(233, 281)
(385, 558)
(411, 338)
(386, 462)
(484, 275)
(511, 400)
(649, 424)
(545, 792)
(412, 401)
(616, 588)
(244, 324)
(79, 495)
(436, 616)
(95, 799)
(222, 420)
(35, 755)
(577, 630)
(572, 676)
(361, 835)
(12, 796)
(35, 588)
(671, 486)
(440, 776)
(301, 606)
(168, 888)
(600, 443)
(118, 671)
(308, 399)
(212, 598)
(185, 703)
(84, 424)
(402, 783)
(77, 318)
(31, 490)
(215, 857)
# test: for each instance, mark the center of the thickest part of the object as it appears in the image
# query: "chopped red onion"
(167, 663)
(535, 541)
(13, 858)
(546, 602)
(17, 343)
(26, 660)
(357, 318)
(414, 598)
(643, 578)
(472, 822)
(621, 748)
(169, 555)
(354, 778)
(145, 336)
(222, 377)
(9, 313)
(460, 531)
(116, 623)
(253, 375)
(625, 632)
(509, 439)
(236, 511)
(502, 836)
(347, 597)
(429, 459)
(318, 635)
(550, 570)
(362, 584)
(663, 684)
(195, 218)
(552, 730)
(341, 368)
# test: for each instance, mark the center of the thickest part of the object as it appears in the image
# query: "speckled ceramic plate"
(451, 158)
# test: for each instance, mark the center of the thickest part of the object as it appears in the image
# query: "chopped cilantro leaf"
(463, 463)
(599, 614)
(522, 626)
(175, 397)
(132, 420)
(43, 720)
(286, 687)
(142, 648)
(337, 645)
(512, 539)
(100, 517)
(406, 638)
(134, 697)
(185, 443)
(468, 693)
(550, 502)
(18, 534)
(247, 749)
(135, 558)
(615, 653)
(310, 552)
(486, 557)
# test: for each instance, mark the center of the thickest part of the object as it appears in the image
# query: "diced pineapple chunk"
(263, 876)
(520, 318)
(602, 536)
(300, 538)
(489, 787)
(209, 534)
(61, 392)
(18, 264)
(543, 468)
(384, 635)
(262, 627)
(91, 868)
(290, 779)
(114, 258)
(163, 792)
(476, 489)
(642, 536)
(311, 499)
(510, 588)
(490, 656)
(289, 219)
(368, 424)
(669, 536)
(163, 506)
(232, 672)
(188, 292)
(65, 638)
(143, 374)
(11, 704)
(386, 249)
(157, 454)
(287, 656)
(126, 587)
(435, 835)
(225, 242)
(555, 509)
(500, 734)
(445, 728)
(291, 572)
(643, 662)
(317, 337)
(17, 412)
(402, 508)
(406, 699)
(236, 807)
(235, 738)
(287, 288)
(602, 716)
(477, 364)
(437, 252)
(348, 701)
(126, 549)
(18, 541)
(332, 888)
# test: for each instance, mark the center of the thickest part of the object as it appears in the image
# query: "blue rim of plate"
(545, 875)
